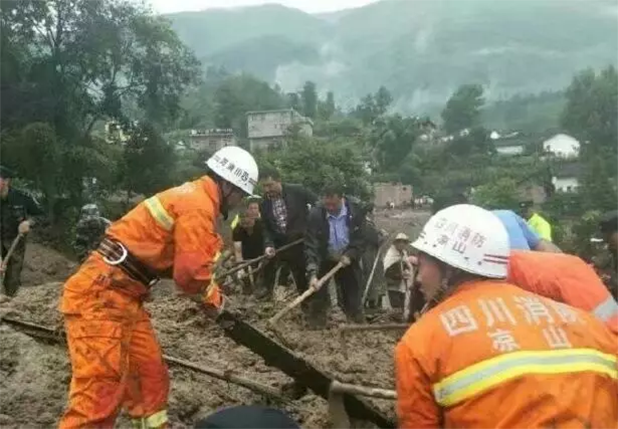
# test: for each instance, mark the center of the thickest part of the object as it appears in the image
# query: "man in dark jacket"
(336, 233)
(17, 209)
(284, 213)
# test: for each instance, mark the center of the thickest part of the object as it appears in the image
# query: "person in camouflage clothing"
(89, 231)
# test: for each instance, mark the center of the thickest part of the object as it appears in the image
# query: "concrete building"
(508, 144)
(212, 140)
(562, 145)
(565, 177)
(396, 193)
(268, 128)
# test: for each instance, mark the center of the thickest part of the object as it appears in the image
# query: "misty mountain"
(421, 50)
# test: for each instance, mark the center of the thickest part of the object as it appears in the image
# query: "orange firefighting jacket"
(176, 228)
(495, 355)
(564, 278)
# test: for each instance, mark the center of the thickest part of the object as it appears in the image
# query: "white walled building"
(562, 145)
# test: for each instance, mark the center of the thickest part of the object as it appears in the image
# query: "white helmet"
(469, 238)
(235, 165)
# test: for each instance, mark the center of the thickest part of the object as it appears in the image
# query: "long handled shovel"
(306, 294)
(5, 261)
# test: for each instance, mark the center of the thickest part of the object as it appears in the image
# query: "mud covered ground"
(34, 375)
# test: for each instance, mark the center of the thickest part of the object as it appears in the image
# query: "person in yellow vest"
(537, 222)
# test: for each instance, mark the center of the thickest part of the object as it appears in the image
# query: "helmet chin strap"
(224, 206)
(444, 290)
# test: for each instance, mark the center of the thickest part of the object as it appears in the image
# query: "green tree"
(391, 139)
(372, 106)
(239, 94)
(463, 109)
(315, 163)
(326, 108)
(309, 98)
(75, 64)
(148, 161)
(383, 100)
(500, 194)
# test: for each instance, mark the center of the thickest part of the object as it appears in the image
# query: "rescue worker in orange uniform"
(564, 278)
(491, 354)
(115, 356)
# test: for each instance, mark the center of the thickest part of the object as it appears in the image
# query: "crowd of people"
(500, 315)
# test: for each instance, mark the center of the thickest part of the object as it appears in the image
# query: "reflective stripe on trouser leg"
(157, 420)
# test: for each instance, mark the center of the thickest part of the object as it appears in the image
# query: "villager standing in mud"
(17, 210)
(396, 270)
(284, 212)
(89, 231)
(336, 233)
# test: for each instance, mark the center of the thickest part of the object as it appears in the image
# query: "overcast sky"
(311, 6)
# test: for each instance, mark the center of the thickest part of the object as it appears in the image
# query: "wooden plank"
(296, 367)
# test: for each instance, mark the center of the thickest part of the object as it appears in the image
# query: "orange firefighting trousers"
(116, 359)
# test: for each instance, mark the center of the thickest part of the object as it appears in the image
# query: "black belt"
(116, 254)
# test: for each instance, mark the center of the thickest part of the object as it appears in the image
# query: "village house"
(565, 176)
(509, 144)
(212, 140)
(562, 146)
(268, 128)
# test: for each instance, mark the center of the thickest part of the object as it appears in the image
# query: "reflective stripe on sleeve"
(158, 212)
(488, 374)
(607, 309)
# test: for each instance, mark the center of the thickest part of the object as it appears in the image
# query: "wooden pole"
(353, 389)
(245, 264)
(385, 327)
(305, 294)
(229, 377)
(5, 261)
(373, 270)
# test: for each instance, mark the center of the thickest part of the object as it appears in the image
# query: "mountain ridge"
(420, 50)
